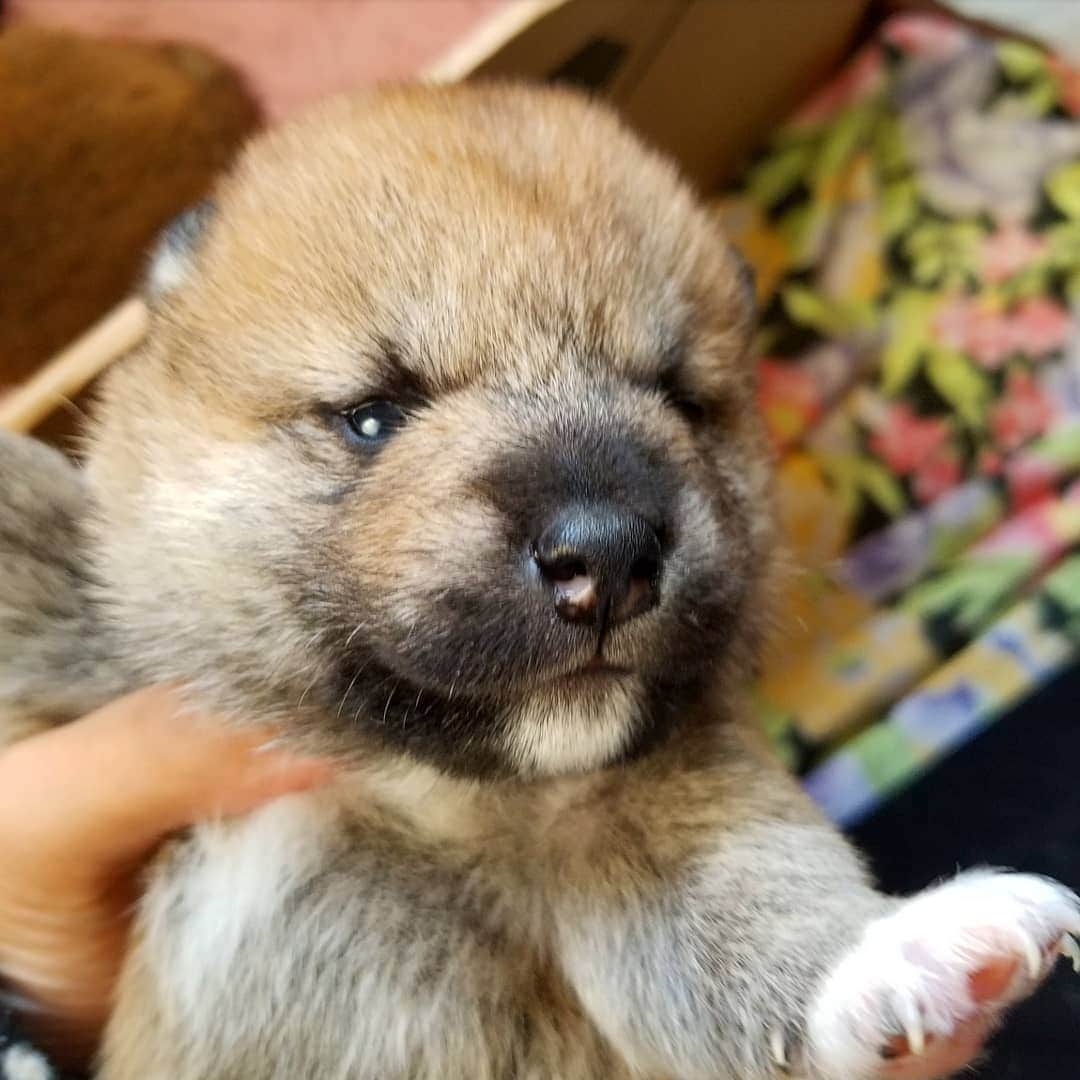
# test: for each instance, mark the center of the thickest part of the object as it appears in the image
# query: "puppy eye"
(374, 422)
(676, 397)
(692, 412)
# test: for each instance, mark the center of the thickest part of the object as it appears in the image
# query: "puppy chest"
(359, 948)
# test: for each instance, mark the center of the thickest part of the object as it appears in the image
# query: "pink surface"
(292, 51)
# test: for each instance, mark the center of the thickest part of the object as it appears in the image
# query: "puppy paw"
(919, 994)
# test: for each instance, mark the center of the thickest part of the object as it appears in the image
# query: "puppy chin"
(589, 723)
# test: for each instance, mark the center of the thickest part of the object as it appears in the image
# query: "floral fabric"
(1020, 652)
(835, 689)
(915, 229)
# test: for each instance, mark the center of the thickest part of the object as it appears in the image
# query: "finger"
(110, 786)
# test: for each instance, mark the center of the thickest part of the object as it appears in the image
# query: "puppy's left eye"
(374, 422)
(691, 411)
(677, 397)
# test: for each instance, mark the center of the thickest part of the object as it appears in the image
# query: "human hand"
(82, 808)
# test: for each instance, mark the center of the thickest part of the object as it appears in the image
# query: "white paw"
(937, 973)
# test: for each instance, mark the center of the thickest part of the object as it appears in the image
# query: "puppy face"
(444, 438)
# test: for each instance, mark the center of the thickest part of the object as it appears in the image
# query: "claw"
(1068, 947)
(1032, 955)
(913, 1028)
(778, 1049)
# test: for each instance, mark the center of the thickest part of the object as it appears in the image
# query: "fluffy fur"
(530, 867)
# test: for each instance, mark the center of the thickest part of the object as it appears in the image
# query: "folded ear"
(747, 278)
(172, 257)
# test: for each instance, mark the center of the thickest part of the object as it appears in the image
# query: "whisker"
(348, 689)
(307, 690)
(386, 707)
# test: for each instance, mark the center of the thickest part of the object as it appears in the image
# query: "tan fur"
(519, 249)
(524, 871)
(488, 259)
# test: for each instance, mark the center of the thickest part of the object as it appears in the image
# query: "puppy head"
(443, 437)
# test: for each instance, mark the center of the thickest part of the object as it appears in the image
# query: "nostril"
(563, 569)
(599, 562)
(645, 568)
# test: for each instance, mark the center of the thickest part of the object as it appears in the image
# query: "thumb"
(106, 789)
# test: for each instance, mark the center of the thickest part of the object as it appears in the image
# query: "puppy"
(442, 453)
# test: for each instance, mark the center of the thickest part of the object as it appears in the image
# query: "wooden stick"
(75, 367)
(487, 38)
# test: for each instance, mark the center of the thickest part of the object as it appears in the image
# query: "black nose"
(603, 563)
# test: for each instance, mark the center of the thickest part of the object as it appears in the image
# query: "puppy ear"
(747, 280)
(171, 260)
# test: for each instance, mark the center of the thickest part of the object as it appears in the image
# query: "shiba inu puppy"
(442, 452)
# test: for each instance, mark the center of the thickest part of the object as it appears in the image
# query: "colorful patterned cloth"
(1020, 652)
(916, 234)
(835, 689)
